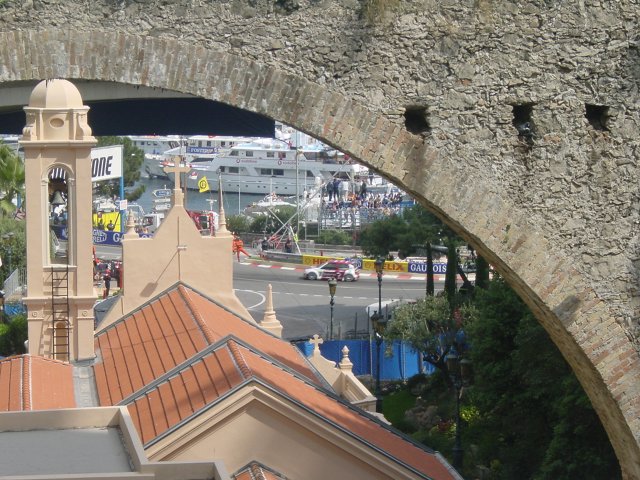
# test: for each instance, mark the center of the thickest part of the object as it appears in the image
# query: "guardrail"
(15, 285)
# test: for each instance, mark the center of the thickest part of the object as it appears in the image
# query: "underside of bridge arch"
(578, 321)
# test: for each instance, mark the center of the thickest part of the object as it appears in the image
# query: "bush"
(334, 237)
(238, 223)
(13, 335)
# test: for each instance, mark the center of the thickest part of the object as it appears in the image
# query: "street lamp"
(333, 283)
(459, 373)
(379, 266)
(379, 325)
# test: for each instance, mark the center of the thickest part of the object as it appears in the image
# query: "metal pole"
(297, 192)
(379, 293)
(457, 448)
(378, 390)
(331, 320)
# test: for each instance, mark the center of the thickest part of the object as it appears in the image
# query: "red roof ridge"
(197, 316)
(239, 359)
(26, 382)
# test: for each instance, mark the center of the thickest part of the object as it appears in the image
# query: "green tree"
(13, 335)
(132, 162)
(334, 237)
(482, 272)
(13, 247)
(238, 223)
(430, 327)
(382, 236)
(534, 421)
(11, 179)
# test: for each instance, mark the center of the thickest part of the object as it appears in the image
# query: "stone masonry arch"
(585, 324)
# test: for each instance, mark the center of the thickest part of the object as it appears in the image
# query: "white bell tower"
(57, 145)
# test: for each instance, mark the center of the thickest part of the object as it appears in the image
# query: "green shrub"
(334, 237)
(13, 335)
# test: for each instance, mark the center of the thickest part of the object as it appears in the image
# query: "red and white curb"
(363, 274)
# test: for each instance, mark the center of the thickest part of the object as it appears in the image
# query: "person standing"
(238, 246)
(107, 282)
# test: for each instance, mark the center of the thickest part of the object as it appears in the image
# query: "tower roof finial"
(222, 219)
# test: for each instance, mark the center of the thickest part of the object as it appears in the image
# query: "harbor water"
(234, 202)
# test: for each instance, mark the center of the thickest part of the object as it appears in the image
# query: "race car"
(339, 269)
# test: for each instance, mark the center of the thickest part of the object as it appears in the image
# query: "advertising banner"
(101, 237)
(389, 266)
(313, 260)
(106, 163)
(421, 267)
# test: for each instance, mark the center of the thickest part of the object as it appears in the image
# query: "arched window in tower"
(58, 209)
(61, 341)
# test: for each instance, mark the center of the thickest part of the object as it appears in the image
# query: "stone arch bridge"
(515, 121)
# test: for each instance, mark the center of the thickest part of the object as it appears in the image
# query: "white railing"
(15, 285)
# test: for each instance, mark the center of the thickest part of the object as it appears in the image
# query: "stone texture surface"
(559, 217)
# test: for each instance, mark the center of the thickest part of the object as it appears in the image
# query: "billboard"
(106, 163)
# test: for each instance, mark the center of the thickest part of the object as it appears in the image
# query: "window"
(598, 116)
(248, 153)
(522, 120)
(223, 144)
(279, 172)
(416, 120)
(265, 171)
(234, 153)
(271, 154)
(208, 143)
(234, 170)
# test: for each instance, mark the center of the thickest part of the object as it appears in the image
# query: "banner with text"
(421, 267)
(106, 163)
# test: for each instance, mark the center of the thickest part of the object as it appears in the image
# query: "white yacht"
(266, 165)
(207, 146)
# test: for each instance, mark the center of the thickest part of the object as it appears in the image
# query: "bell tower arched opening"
(58, 216)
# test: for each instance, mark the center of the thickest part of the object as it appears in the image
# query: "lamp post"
(379, 266)
(379, 325)
(333, 283)
(459, 373)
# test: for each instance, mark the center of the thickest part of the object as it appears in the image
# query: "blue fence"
(12, 308)
(400, 362)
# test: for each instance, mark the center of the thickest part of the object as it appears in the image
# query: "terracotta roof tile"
(181, 395)
(224, 323)
(347, 418)
(145, 345)
(34, 383)
(163, 363)
(169, 330)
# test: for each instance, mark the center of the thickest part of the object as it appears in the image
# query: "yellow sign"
(389, 266)
(107, 221)
(314, 259)
(203, 185)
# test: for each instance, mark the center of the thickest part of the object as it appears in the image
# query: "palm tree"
(11, 179)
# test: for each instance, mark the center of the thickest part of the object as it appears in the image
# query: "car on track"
(339, 269)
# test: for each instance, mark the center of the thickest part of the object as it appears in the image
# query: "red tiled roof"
(347, 418)
(168, 331)
(222, 325)
(178, 397)
(162, 361)
(35, 383)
